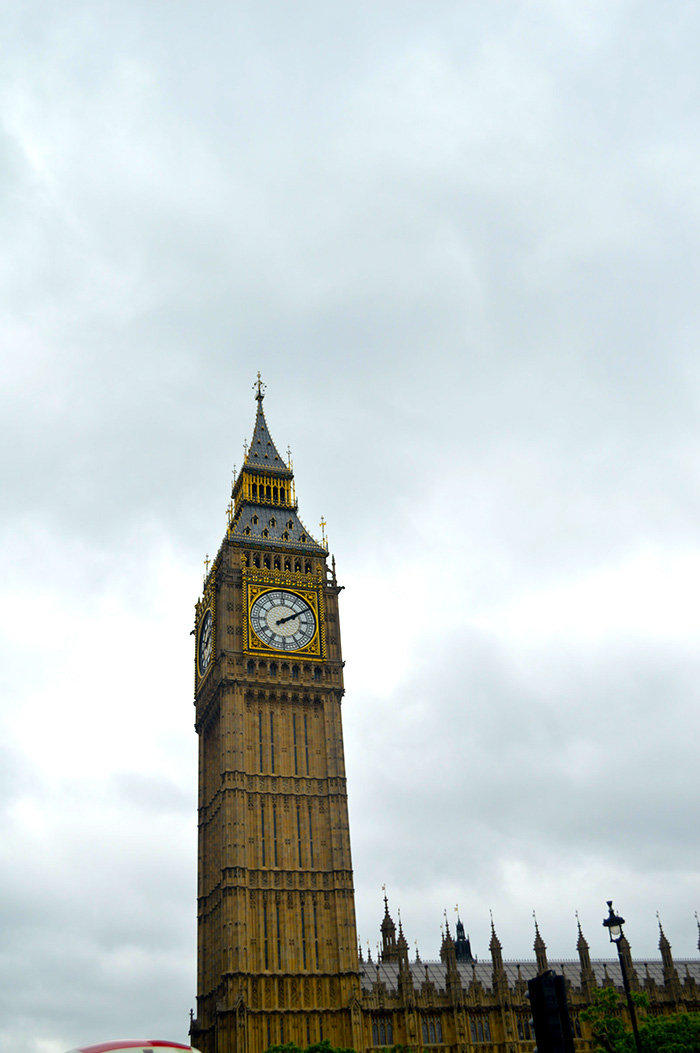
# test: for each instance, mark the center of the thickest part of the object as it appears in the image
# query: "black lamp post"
(613, 923)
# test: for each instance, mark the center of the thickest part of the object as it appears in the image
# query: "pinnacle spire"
(264, 498)
(540, 949)
(496, 952)
(262, 452)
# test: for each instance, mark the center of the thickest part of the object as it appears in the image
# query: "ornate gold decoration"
(306, 586)
(207, 602)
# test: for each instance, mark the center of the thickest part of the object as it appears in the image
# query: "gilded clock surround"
(256, 583)
(204, 605)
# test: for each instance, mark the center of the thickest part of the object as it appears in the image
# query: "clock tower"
(277, 945)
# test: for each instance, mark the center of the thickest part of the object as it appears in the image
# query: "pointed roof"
(387, 925)
(540, 949)
(463, 948)
(262, 452)
(265, 506)
(664, 945)
(494, 942)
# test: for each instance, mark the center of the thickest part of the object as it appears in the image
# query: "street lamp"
(613, 923)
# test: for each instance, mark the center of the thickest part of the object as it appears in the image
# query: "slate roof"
(282, 517)
(388, 972)
(262, 452)
(269, 524)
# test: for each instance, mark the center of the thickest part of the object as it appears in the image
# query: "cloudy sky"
(460, 241)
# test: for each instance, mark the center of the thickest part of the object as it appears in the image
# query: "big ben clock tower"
(277, 946)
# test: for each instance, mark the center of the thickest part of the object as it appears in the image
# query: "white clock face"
(283, 620)
(204, 645)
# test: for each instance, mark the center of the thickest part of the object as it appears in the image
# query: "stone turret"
(626, 953)
(463, 948)
(540, 948)
(389, 951)
(671, 978)
(406, 989)
(498, 972)
(588, 981)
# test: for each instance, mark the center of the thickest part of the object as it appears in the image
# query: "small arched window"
(285, 536)
(247, 531)
(273, 669)
(256, 559)
(254, 520)
(303, 538)
(273, 522)
(266, 561)
(308, 568)
(250, 668)
(287, 564)
(277, 563)
(295, 672)
(317, 673)
(266, 532)
(290, 524)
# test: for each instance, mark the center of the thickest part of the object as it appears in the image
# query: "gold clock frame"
(207, 603)
(307, 587)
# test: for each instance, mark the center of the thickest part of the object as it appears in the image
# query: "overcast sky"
(460, 241)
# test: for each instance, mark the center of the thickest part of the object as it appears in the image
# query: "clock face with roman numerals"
(205, 642)
(282, 620)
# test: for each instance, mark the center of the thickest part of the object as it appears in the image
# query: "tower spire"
(264, 497)
(540, 949)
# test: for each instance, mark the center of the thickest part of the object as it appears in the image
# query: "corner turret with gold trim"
(277, 943)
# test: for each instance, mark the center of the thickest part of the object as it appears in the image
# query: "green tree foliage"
(324, 1047)
(316, 1047)
(677, 1033)
(607, 1026)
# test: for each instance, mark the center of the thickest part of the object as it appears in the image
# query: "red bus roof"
(131, 1043)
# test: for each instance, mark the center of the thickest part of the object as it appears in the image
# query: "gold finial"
(229, 512)
(260, 393)
(245, 449)
(289, 458)
(323, 525)
(207, 563)
(457, 908)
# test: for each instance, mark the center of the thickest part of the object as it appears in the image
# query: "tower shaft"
(277, 944)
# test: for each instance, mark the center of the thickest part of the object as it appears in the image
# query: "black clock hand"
(281, 621)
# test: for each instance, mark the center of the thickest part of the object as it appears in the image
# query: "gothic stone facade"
(461, 1004)
(277, 947)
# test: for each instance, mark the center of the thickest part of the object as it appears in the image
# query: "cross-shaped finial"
(260, 393)
(323, 525)
(207, 561)
(289, 458)
(229, 511)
